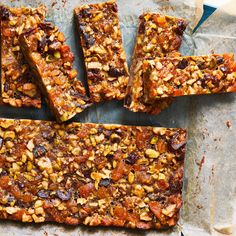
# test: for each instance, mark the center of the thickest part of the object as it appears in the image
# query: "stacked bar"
(92, 174)
(17, 83)
(51, 61)
(157, 36)
(104, 55)
(191, 75)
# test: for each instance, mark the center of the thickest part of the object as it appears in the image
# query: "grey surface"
(204, 117)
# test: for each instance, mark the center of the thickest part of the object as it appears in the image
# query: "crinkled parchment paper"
(209, 185)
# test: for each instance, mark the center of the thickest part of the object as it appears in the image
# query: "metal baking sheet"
(210, 168)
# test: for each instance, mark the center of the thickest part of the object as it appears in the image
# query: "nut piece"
(151, 153)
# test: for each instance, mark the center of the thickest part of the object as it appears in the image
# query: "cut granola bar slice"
(92, 174)
(104, 54)
(17, 82)
(51, 61)
(157, 36)
(190, 75)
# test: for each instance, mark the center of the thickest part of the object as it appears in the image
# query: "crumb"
(228, 124)
(200, 164)
(54, 3)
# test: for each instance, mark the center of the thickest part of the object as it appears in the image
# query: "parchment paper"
(209, 189)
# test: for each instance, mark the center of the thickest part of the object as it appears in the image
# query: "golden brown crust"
(92, 174)
(18, 87)
(104, 54)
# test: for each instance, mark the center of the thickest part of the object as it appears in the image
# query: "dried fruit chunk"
(18, 88)
(60, 176)
(157, 36)
(104, 54)
(188, 76)
(51, 60)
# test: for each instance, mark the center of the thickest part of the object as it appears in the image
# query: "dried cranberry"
(17, 95)
(89, 40)
(64, 195)
(43, 193)
(209, 78)
(105, 182)
(178, 141)
(181, 26)
(182, 64)
(141, 29)
(107, 133)
(4, 13)
(94, 74)
(219, 60)
(131, 159)
(223, 69)
(20, 184)
(201, 65)
(39, 151)
(1, 143)
(100, 130)
(113, 72)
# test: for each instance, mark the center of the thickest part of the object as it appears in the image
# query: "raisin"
(3, 173)
(1, 143)
(89, 40)
(209, 78)
(113, 72)
(46, 26)
(114, 7)
(141, 29)
(4, 13)
(182, 64)
(49, 135)
(39, 151)
(43, 193)
(175, 185)
(84, 13)
(128, 100)
(109, 156)
(181, 26)
(100, 130)
(219, 60)
(131, 159)
(178, 141)
(201, 65)
(94, 74)
(21, 185)
(105, 182)
(223, 69)
(64, 195)
(42, 44)
(10, 199)
(6, 87)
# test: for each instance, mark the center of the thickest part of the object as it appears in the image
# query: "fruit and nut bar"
(91, 174)
(157, 36)
(190, 75)
(104, 54)
(51, 61)
(17, 82)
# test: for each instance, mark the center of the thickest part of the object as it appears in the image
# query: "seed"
(57, 55)
(151, 153)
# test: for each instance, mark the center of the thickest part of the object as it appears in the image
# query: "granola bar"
(104, 55)
(17, 82)
(51, 61)
(191, 75)
(157, 36)
(91, 174)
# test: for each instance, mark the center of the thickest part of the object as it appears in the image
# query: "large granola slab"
(92, 174)
(157, 36)
(191, 75)
(51, 60)
(17, 82)
(104, 54)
